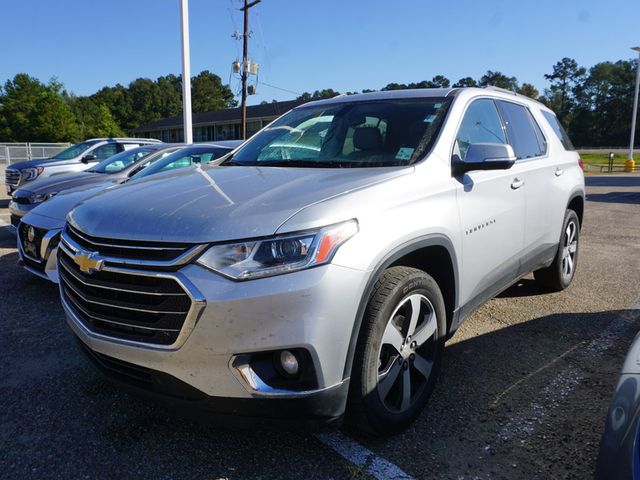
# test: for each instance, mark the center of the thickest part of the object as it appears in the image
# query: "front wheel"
(399, 351)
(560, 273)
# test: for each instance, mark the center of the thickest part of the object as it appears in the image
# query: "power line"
(280, 88)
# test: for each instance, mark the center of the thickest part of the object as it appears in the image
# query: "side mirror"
(484, 156)
(88, 158)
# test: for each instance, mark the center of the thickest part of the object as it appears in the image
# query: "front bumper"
(314, 310)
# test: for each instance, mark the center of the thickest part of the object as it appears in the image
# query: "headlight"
(41, 198)
(31, 173)
(277, 255)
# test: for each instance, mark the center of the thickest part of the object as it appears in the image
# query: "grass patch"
(603, 158)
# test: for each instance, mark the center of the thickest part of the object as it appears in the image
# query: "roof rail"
(124, 139)
(503, 90)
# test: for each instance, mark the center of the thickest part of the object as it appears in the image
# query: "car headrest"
(367, 138)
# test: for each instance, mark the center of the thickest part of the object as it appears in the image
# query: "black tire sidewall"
(382, 420)
(564, 283)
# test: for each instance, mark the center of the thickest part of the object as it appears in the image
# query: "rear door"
(492, 210)
(538, 173)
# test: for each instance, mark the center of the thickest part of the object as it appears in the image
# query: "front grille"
(22, 200)
(130, 306)
(12, 177)
(31, 248)
(128, 249)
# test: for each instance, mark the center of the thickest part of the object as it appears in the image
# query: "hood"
(42, 162)
(58, 183)
(59, 206)
(201, 205)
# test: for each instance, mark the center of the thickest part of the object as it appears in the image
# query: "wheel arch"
(576, 203)
(433, 254)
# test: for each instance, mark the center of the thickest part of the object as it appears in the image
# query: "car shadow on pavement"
(511, 397)
(607, 181)
(632, 198)
(525, 287)
(4, 202)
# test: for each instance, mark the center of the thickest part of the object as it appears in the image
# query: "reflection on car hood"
(216, 203)
(59, 183)
(59, 206)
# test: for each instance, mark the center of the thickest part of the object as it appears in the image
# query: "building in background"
(216, 125)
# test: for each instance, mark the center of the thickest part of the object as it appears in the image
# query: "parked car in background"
(76, 158)
(619, 455)
(311, 275)
(39, 230)
(114, 169)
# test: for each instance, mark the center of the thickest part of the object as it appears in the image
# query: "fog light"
(289, 363)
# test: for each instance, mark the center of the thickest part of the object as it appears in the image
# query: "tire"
(397, 352)
(560, 273)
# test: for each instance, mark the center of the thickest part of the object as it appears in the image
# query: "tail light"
(581, 163)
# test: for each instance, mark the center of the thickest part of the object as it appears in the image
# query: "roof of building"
(274, 109)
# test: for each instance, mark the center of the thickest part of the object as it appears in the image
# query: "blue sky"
(305, 45)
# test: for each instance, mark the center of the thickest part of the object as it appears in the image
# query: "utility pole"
(245, 64)
(629, 166)
(186, 73)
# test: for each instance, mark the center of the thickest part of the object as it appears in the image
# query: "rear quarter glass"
(558, 130)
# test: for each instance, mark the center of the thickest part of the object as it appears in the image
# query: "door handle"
(559, 171)
(517, 183)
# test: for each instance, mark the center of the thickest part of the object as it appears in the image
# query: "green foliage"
(318, 94)
(528, 90)
(33, 111)
(498, 79)
(465, 82)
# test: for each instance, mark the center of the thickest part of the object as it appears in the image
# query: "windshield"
(122, 160)
(354, 134)
(74, 150)
(184, 157)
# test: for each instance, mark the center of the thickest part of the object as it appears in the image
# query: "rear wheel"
(399, 351)
(560, 273)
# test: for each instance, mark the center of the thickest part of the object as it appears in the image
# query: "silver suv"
(76, 158)
(315, 273)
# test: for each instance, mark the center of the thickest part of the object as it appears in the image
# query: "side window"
(559, 131)
(480, 124)
(105, 151)
(520, 130)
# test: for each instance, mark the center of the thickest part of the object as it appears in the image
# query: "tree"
(318, 94)
(528, 90)
(603, 104)
(465, 82)
(94, 120)
(208, 93)
(565, 78)
(498, 79)
(32, 111)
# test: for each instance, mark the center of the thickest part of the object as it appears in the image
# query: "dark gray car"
(619, 456)
(114, 169)
(39, 230)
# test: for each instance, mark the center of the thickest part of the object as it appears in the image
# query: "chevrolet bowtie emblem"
(88, 262)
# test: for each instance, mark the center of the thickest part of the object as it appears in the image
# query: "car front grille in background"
(130, 306)
(128, 249)
(22, 200)
(12, 177)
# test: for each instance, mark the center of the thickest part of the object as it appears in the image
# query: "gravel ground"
(525, 388)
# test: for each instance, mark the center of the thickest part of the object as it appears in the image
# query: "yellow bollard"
(629, 166)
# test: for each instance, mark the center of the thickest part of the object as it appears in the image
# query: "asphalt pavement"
(524, 391)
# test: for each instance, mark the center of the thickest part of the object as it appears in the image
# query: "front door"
(491, 206)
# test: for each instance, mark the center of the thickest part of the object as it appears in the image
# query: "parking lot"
(524, 391)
